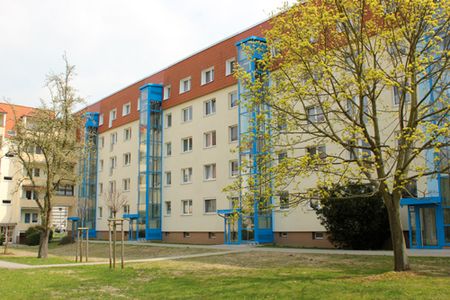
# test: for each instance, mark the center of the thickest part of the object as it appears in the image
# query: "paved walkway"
(10, 265)
(229, 249)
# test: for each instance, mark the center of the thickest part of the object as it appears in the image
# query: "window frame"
(189, 109)
(189, 144)
(230, 66)
(204, 75)
(215, 206)
(189, 207)
(213, 172)
(126, 109)
(189, 85)
(189, 177)
(211, 137)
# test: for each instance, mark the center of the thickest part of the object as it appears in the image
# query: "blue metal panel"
(420, 201)
(259, 223)
(150, 162)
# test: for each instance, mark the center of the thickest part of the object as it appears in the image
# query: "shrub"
(33, 235)
(66, 240)
(355, 217)
(2, 239)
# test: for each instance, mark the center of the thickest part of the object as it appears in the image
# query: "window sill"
(208, 180)
(186, 215)
(185, 183)
(186, 152)
(206, 83)
(209, 213)
(210, 147)
(209, 115)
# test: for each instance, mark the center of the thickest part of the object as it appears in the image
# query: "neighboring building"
(18, 208)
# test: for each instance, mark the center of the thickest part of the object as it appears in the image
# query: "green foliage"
(355, 217)
(33, 235)
(2, 239)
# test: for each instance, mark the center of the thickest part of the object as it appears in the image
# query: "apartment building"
(169, 144)
(18, 208)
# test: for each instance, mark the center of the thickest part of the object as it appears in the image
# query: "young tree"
(115, 201)
(54, 129)
(334, 66)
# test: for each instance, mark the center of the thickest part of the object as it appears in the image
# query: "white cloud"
(112, 43)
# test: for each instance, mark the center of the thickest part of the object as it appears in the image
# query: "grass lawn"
(241, 275)
(59, 254)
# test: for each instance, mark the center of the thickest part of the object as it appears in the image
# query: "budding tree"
(358, 94)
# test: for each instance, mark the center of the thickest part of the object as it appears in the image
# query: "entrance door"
(423, 226)
(248, 228)
(231, 229)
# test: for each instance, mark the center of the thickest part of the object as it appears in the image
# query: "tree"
(115, 201)
(356, 222)
(54, 130)
(334, 65)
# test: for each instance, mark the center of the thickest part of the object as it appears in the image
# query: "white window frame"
(101, 119)
(230, 66)
(315, 114)
(127, 134)
(190, 142)
(215, 206)
(396, 96)
(126, 183)
(205, 73)
(231, 164)
(167, 176)
(186, 204)
(209, 139)
(101, 165)
(167, 123)
(126, 109)
(187, 88)
(209, 107)
(168, 146)
(167, 211)
(187, 176)
(230, 98)
(167, 91)
(189, 114)
(209, 172)
(127, 159)
(112, 116)
(230, 135)
(100, 188)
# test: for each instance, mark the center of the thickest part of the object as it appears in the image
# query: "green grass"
(27, 260)
(244, 275)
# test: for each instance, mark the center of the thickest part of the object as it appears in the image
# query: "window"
(317, 235)
(210, 171)
(100, 163)
(168, 208)
(185, 85)
(187, 114)
(233, 133)
(186, 175)
(283, 235)
(187, 144)
(234, 168)
(186, 206)
(229, 66)
(34, 218)
(112, 186)
(6, 202)
(126, 184)
(168, 120)
(113, 140)
(127, 134)
(167, 89)
(317, 150)
(282, 156)
(30, 195)
(27, 218)
(36, 172)
(397, 94)
(284, 200)
(101, 142)
(210, 139)
(126, 109)
(8, 178)
(210, 107)
(210, 206)
(168, 149)
(207, 75)
(112, 164)
(168, 178)
(211, 235)
(232, 99)
(126, 209)
(127, 159)
(100, 212)
(100, 120)
(138, 105)
(186, 235)
(315, 114)
(65, 190)
(112, 117)
(100, 188)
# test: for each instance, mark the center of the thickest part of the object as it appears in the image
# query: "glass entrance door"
(423, 226)
(231, 229)
(428, 226)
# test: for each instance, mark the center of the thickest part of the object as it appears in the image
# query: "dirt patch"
(388, 276)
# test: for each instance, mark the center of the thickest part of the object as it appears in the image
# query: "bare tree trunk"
(43, 245)
(401, 262)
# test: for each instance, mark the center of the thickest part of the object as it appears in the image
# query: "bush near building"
(33, 235)
(359, 221)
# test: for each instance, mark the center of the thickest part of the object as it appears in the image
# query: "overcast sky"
(112, 43)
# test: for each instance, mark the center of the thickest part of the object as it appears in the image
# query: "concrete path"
(9, 265)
